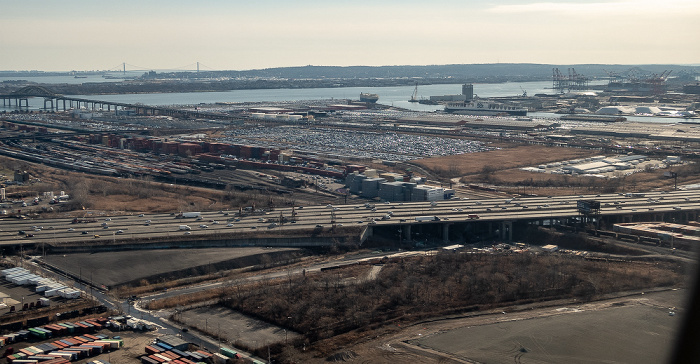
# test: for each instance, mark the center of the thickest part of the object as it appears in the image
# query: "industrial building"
(427, 193)
(605, 165)
(592, 165)
(394, 188)
(467, 95)
(173, 341)
(396, 191)
(666, 232)
(21, 176)
(370, 187)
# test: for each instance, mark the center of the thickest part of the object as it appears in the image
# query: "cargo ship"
(484, 108)
(592, 117)
(365, 97)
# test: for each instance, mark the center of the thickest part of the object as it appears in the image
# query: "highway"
(226, 224)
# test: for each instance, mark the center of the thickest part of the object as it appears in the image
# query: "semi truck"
(188, 214)
(427, 218)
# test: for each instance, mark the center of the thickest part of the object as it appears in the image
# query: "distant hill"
(355, 76)
(486, 72)
(494, 72)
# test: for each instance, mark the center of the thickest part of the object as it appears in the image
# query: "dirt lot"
(134, 344)
(566, 338)
(113, 268)
(634, 329)
(234, 327)
(501, 159)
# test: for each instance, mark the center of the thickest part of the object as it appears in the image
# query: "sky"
(50, 35)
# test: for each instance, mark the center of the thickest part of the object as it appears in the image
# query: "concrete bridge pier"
(20, 102)
(47, 100)
(446, 232)
(406, 231)
(507, 231)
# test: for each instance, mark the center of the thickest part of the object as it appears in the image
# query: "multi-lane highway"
(319, 218)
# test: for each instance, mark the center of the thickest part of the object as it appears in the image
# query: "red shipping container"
(158, 359)
(152, 350)
(60, 344)
(170, 355)
(204, 353)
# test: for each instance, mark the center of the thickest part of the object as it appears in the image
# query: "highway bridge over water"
(447, 221)
(57, 102)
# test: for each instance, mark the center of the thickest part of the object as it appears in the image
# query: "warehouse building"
(427, 193)
(396, 190)
(597, 165)
(370, 187)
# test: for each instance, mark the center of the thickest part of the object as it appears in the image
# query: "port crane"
(414, 97)
(524, 92)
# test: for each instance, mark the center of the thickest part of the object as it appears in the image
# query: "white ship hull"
(484, 108)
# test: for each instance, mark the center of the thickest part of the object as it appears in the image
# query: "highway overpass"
(407, 220)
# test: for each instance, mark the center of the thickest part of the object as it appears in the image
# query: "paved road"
(226, 224)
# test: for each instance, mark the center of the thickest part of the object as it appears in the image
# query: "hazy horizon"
(321, 65)
(230, 35)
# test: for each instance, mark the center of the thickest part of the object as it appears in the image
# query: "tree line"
(325, 305)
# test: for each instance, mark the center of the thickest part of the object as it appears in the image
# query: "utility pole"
(673, 175)
(675, 180)
(92, 297)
